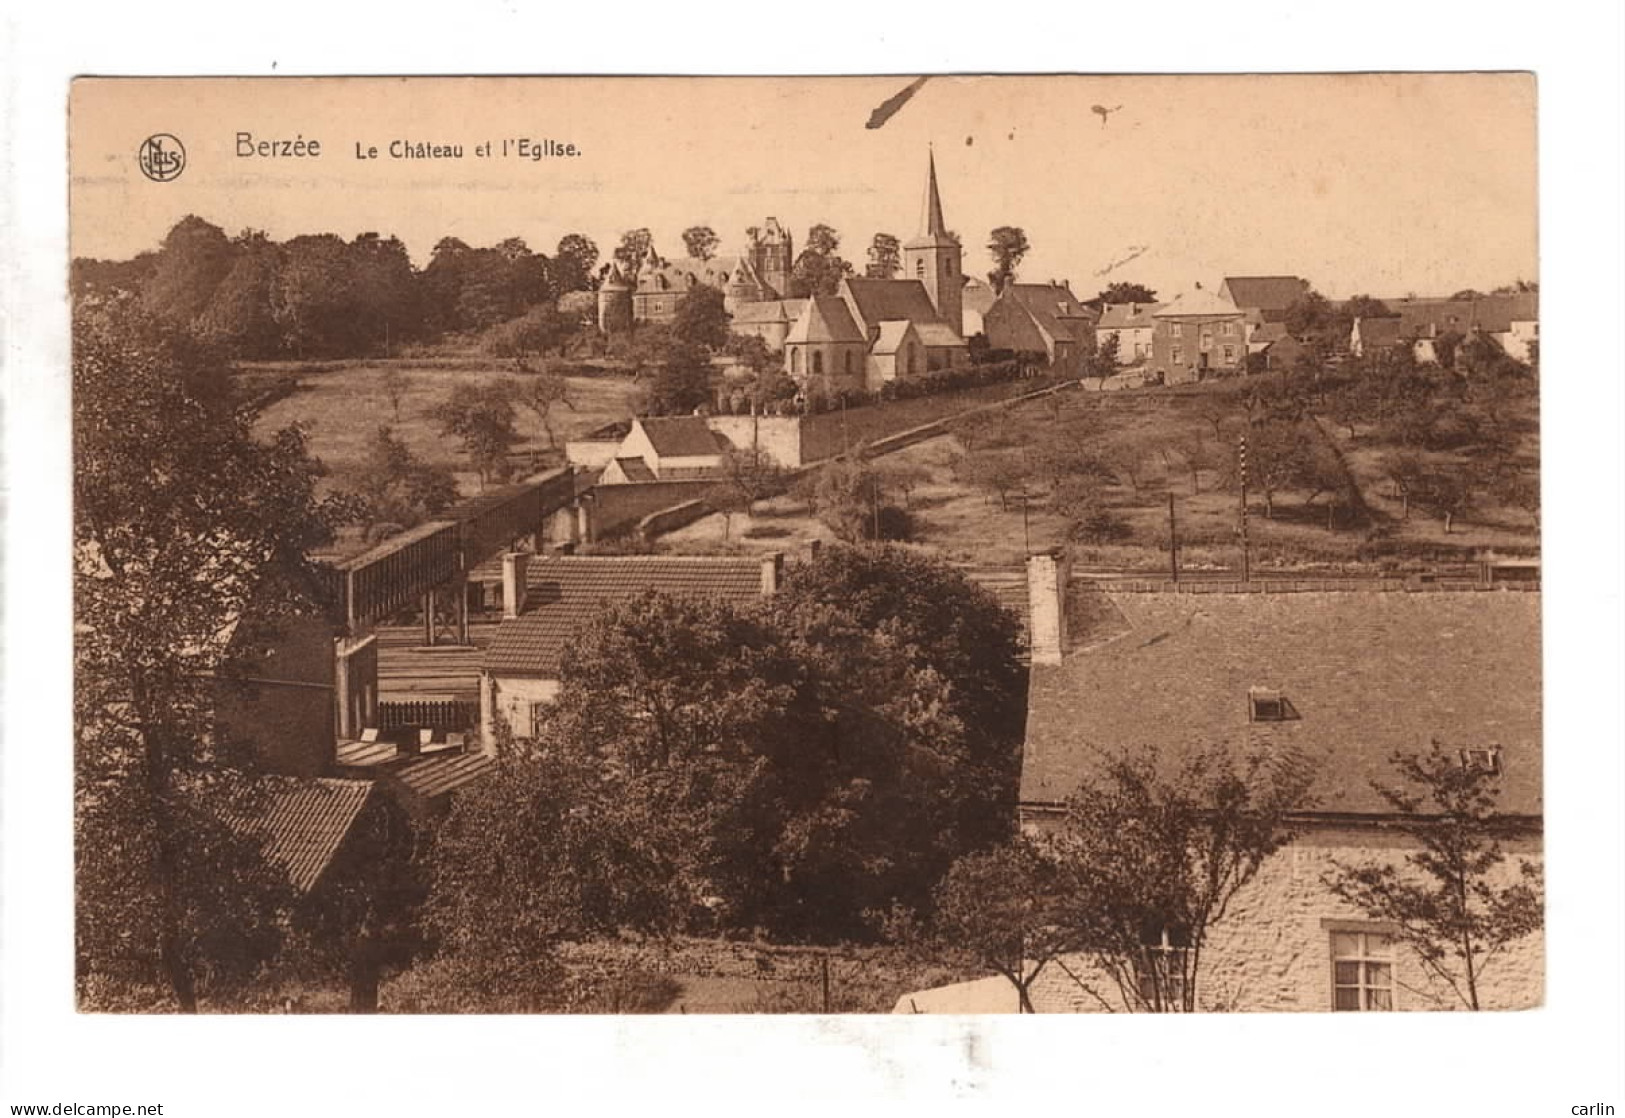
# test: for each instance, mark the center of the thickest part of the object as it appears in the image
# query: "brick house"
(1042, 318)
(1198, 334)
(1346, 677)
(548, 600)
(1267, 297)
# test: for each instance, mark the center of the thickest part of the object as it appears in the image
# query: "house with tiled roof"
(1197, 334)
(1132, 324)
(1511, 321)
(1270, 346)
(548, 601)
(1270, 296)
(666, 448)
(1042, 318)
(1375, 335)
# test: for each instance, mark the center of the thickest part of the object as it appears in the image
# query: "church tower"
(933, 257)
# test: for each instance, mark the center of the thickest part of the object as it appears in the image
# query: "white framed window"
(1228, 329)
(1177, 329)
(1229, 354)
(1177, 354)
(1163, 952)
(1362, 970)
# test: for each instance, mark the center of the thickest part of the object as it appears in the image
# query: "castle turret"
(933, 257)
(614, 302)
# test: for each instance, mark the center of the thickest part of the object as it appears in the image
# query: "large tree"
(1153, 852)
(885, 257)
(1444, 902)
(819, 269)
(701, 241)
(574, 262)
(185, 527)
(1125, 292)
(630, 253)
(1007, 245)
(702, 319)
(482, 417)
(193, 260)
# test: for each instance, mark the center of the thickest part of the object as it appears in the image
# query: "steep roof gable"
(880, 300)
(1270, 293)
(306, 822)
(681, 436)
(825, 318)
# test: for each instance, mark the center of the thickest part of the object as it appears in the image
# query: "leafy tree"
(541, 391)
(192, 262)
(1103, 362)
(819, 269)
(238, 315)
(682, 384)
(998, 472)
(1007, 245)
(1447, 490)
(573, 263)
(396, 488)
(1153, 855)
(312, 300)
(630, 253)
(1445, 346)
(701, 241)
(1124, 292)
(1444, 903)
(1311, 315)
(1277, 451)
(702, 320)
(1364, 306)
(481, 415)
(538, 330)
(382, 295)
(1082, 499)
(1003, 909)
(1198, 454)
(885, 257)
(184, 524)
(749, 474)
(846, 498)
(1404, 469)
(1467, 294)
(1519, 488)
(395, 385)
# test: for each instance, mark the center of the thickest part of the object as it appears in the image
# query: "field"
(1147, 435)
(341, 405)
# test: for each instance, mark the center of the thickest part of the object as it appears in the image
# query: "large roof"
(1197, 303)
(886, 300)
(565, 592)
(772, 310)
(825, 318)
(891, 336)
(307, 821)
(1053, 299)
(1270, 293)
(1128, 316)
(1365, 672)
(1383, 331)
(681, 436)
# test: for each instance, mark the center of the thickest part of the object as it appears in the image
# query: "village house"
(671, 448)
(1340, 678)
(1510, 321)
(548, 600)
(1264, 298)
(1042, 318)
(1197, 334)
(1270, 346)
(1132, 324)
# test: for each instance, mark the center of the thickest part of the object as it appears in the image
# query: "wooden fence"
(437, 714)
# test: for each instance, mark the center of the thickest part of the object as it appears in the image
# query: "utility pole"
(1246, 558)
(1173, 540)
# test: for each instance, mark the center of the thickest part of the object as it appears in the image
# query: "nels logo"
(161, 157)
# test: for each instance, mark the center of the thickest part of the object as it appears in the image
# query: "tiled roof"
(684, 436)
(307, 821)
(1268, 332)
(773, 310)
(564, 592)
(1366, 672)
(825, 319)
(447, 772)
(1271, 293)
(1197, 303)
(635, 469)
(1128, 316)
(891, 336)
(1383, 331)
(1053, 299)
(886, 300)
(934, 334)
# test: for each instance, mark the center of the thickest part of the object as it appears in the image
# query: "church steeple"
(932, 258)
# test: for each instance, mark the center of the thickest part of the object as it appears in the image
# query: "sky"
(1378, 184)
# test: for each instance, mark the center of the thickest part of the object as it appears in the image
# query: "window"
(1229, 354)
(795, 361)
(1228, 329)
(919, 268)
(1362, 971)
(538, 714)
(1265, 704)
(1207, 340)
(1177, 355)
(818, 363)
(1164, 950)
(1177, 329)
(1489, 760)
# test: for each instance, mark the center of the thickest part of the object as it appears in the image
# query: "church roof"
(891, 336)
(937, 334)
(772, 310)
(825, 319)
(882, 300)
(933, 229)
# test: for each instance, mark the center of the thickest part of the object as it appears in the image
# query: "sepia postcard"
(919, 545)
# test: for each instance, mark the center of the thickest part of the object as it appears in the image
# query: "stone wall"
(1272, 951)
(616, 509)
(779, 436)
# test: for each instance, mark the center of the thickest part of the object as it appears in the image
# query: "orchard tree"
(885, 257)
(1445, 489)
(540, 391)
(1444, 902)
(701, 241)
(184, 524)
(482, 417)
(1152, 855)
(397, 490)
(1007, 245)
(749, 474)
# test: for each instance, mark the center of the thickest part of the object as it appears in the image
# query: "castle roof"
(825, 318)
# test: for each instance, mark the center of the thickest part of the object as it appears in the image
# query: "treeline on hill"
(320, 296)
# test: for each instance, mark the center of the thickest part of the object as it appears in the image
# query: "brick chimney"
(772, 572)
(515, 565)
(1046, 599)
